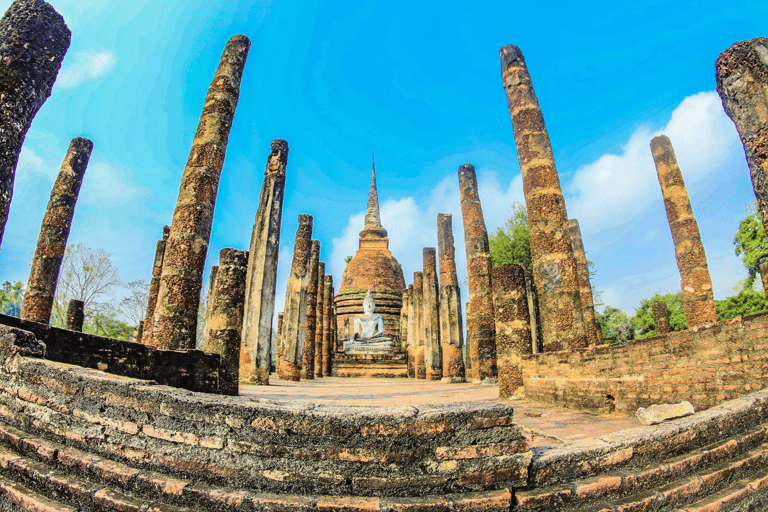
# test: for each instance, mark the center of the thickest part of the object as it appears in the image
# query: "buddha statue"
(368, 333)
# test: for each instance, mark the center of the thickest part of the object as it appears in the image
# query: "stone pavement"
(544, 424)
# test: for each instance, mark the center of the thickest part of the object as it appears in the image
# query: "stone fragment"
(418, 326)
(412, 328)
(226, 322)
(451, 328)
(554, 266)
(33, 41)
(319, 320)
(262, 270)
(75, 315)
(513, 326)
(52, 242)
(181, 279)
(594, 335)
(661, 317)
(481, 328)
(327, 324)
(432, 353)
(663, 412)
(310, 319)
(154, 287)
(294, 325)
(698, 296)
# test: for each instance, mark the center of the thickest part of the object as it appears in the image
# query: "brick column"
(691, 261)
(404, 321)
(262, 270)
(327, 324)
(594, 336)
(481, 329)
(137, 332)
(554, 265)
(467, 357)
(741, 73)
(33, 41)
(412, 333)
(226, 322)
(184, 261)
(52, 242)
(513, 325)
(75, 315)
(418, 325)
(433, 358)
(296, 302)
(319, 320)
(764, 276)
(154, 287)
(451, 324)
(661, 317)
(209, 301)
(310, 319)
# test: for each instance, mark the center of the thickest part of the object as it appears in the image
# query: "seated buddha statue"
(368, 333)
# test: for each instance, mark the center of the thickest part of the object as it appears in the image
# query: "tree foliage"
(512, 243)
(11, 296)
(746, 302)
(615, 325)
(643, 320)
(751, 244)
(134, 306)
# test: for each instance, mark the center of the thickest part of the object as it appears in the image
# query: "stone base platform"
(369, 365)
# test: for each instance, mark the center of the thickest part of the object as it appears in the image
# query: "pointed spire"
(373, 227)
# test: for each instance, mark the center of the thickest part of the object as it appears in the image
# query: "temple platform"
(370, 365)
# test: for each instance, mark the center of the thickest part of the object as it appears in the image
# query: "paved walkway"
(544, 424)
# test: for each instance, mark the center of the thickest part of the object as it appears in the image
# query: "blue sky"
(417, 83)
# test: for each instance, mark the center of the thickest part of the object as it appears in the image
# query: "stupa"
(372, 268)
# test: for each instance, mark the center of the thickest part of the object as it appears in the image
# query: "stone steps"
(736, 467)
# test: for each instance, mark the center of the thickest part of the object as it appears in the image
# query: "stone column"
(481, 329)
(209, 301)
(451, 324)
(327, 325)
(279, 343)
(432, 355)
(554, 266)
(594, 336)
(741, 73)
(262, 270)
(691, 261)
(310, 319)
(418, 325)
(764, 276)
(52, 242)
(404, 322)
(412, 333)
(33, 41)
(532, 312)
(661, 317)
(513, 325)
(175, 319)
(467, 358)
(75, 315)
(296, 302)
(154, 287)
(137, 332)
(319, 320)
(226, 322)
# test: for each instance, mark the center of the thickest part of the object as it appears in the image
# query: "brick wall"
(705, 366)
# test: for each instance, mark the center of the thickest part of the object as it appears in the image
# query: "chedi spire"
(373, 227)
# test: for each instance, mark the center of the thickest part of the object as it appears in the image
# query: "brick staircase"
(370, 365)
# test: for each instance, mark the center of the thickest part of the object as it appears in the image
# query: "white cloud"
(84, 67)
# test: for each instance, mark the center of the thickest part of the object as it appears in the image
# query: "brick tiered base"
(369, 365)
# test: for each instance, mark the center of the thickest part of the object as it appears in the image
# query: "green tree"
(512, 243)
(11, 296)
(746, 302)
(643, 320)
(615, 325)
(751, 244)
(105, 322)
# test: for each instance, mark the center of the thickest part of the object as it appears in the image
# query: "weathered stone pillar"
(554, 266)
(467, 357)
(412, 333)
(432, 355)
(209, 301)
(75, 315)
(52, 242)
(481, 328)
(226, 322)
(404, 321)
(764, 276)
(319, 320)
(262, 270)
(327, 324)
(698, 296)
(532, 312)
(296, 302)
(184, 261)
(661, 317)
(278, 343)
(451, 324)
(594, 336)
(741, 73)
(33, 41)
(513, 325)
(154, 287)
(137, 332)
(310, 319)
(418, 325)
